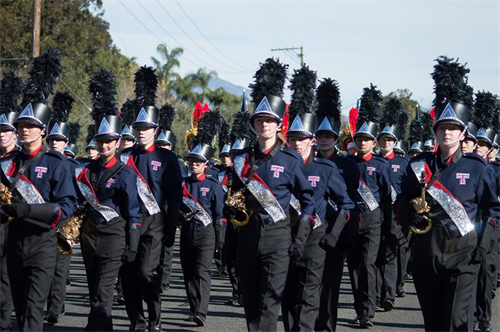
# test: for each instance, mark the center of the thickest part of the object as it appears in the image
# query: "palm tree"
(165, 72)
(218, 96)
(201, 80)
(184, 89)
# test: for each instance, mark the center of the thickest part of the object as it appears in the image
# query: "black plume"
(328, 97)
(61, 106)
(10, 90)
(127, 113)
(90, 133)
(450, 82)
(393, 113)
(224, 135)
(208, 127)
(427, 122)
(146, 84)
(415, 133)
(302, 84)
(103, 89)
(74, 132)
(485, 110)
(241, 127)
(269, 79)
(43, 76)
(370, 104)
(167, 116)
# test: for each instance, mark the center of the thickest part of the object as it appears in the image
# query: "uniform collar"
(110, 164)
(309, 160)
(201, 178)
(391, 156)
(32, 154)
(368, 157)
(148, 150)
(453, 159)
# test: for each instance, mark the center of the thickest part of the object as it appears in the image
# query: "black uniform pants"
(387, 271)
(31, 260)
(403, 256)
(5, 295)
(141, 279)
(485, 281)
(445, 279)
(230, 247)
(361, 263)
(197, 251)
(57, 294)
(262, 264)
(165, 269)
(103, 246)
(302, 290)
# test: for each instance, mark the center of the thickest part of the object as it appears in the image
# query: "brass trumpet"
(67, 235)
(5, 196)
(420, 205)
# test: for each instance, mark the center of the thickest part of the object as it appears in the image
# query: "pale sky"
(391, 44)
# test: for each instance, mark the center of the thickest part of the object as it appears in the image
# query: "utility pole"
(300, 55)
(37, 18)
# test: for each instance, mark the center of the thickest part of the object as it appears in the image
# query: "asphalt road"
(406, 315)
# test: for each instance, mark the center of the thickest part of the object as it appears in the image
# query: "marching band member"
(268, 176)
(327, 135)
(486, 109)
(458, 198)
(203, 223)
(159, 189)
(10, 90)
(394, 243)
(374, 188)
(57, 140)
(44, 195)
(301, 296)
(108, 191)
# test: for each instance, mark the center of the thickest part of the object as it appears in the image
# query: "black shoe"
(400, 292)
(190, 317)
(355, 320)
(119, 299)
(485, 326)
(68, 282)
(164, 288)
(365, 322)
(52, 318)
(199, 319)
(156, 327)
(388, 305)
(408, 276)
(233, 300)
(240, 300)
(378, 304)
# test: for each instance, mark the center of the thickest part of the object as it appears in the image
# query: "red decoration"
(353, 119)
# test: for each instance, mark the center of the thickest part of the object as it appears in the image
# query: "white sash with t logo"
(26, 189)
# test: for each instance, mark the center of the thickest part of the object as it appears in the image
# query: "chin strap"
(328, 147)
(28, 141)
(362, 150)
(147, 139)
(301, 152)
(12, 135)
(112, 150)
(450, 144)
(278, 129)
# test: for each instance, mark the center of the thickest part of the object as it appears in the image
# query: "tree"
(184, 90)
(201, 80)
(409, 104)
(77, 30)
(165, 72)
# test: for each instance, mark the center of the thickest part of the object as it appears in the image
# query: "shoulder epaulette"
(56, 154)
(474, 156)
(382, 159)
(292, 153)
(324, 161)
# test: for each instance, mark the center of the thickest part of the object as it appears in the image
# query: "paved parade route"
(406, 315)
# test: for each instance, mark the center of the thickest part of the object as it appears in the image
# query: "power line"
(293, 56)
(152, 17)
(173, 20)
(74, 94)
(194, 24)
(119, 34)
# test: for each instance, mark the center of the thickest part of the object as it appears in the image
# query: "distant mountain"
(234, 89)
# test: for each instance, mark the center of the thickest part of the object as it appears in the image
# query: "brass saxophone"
(5, 196)
(420, 205)
(237, 201)
(67, 235)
